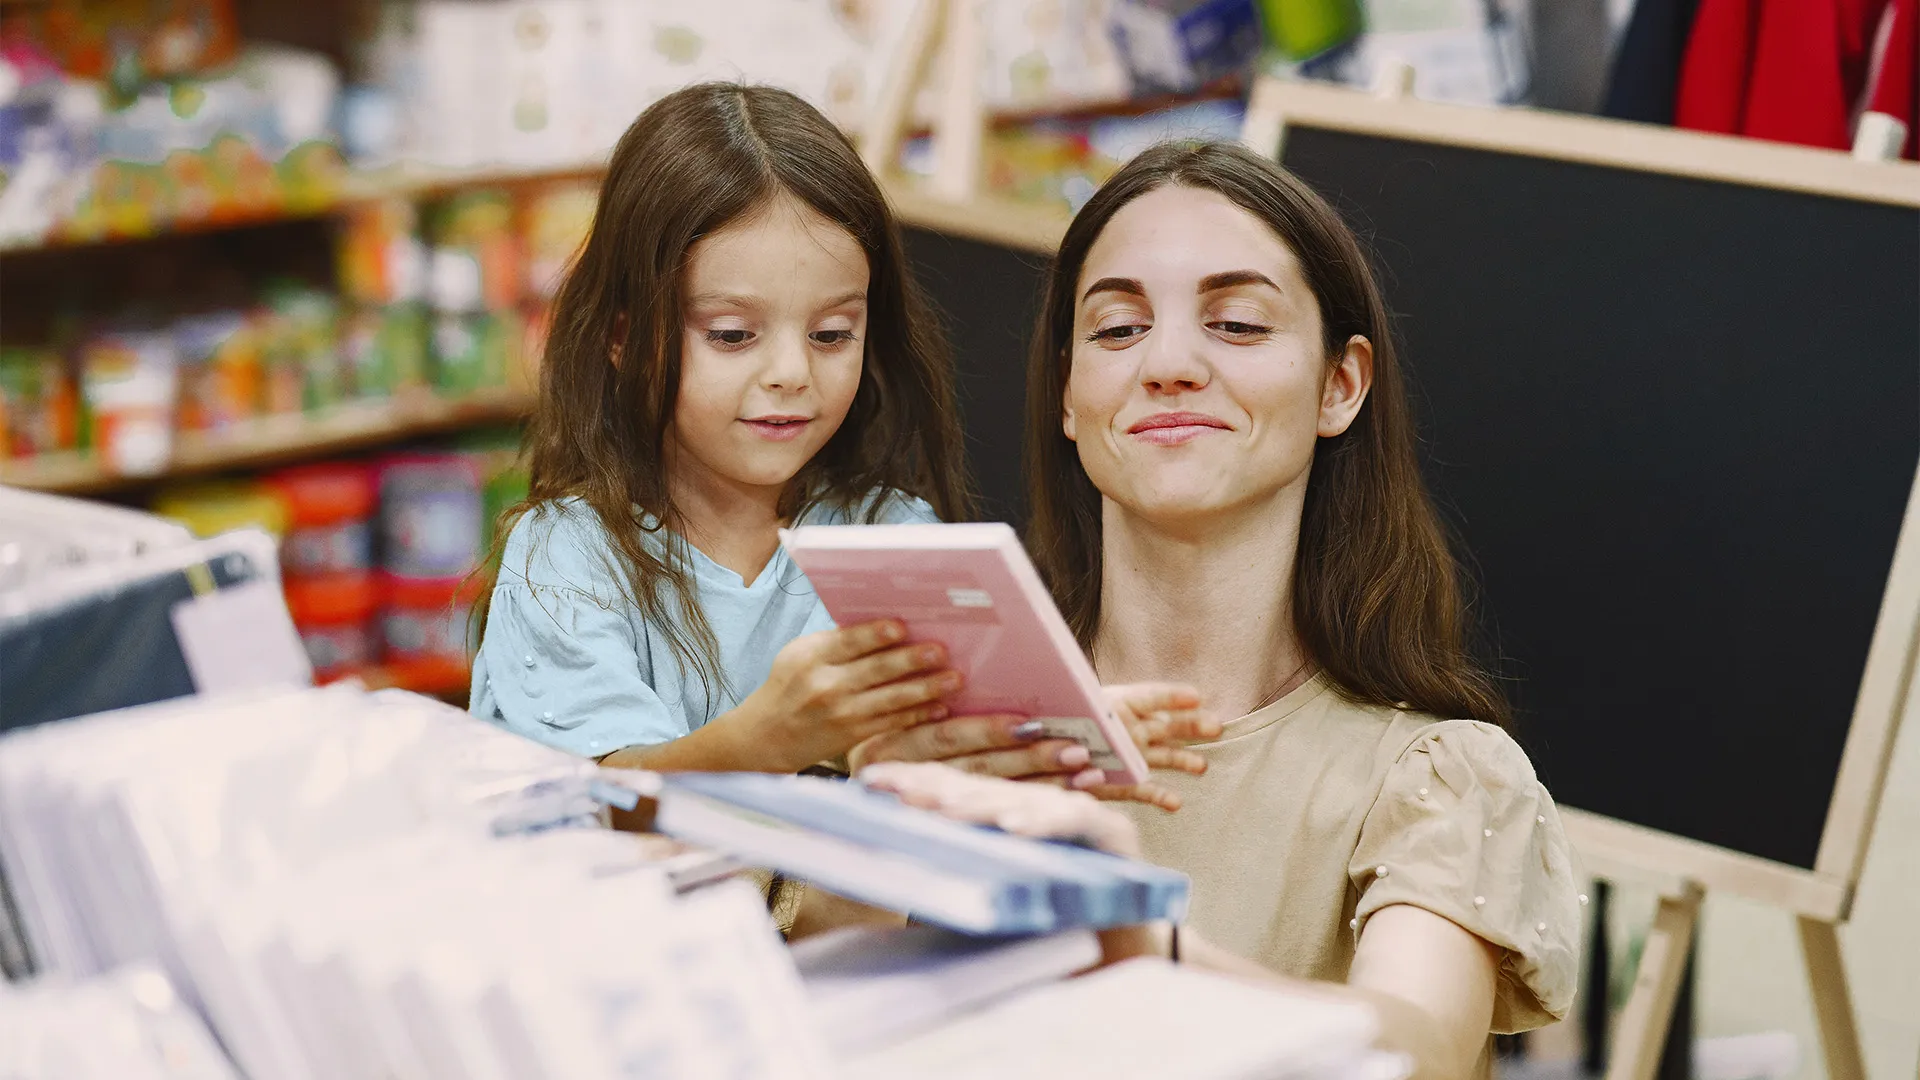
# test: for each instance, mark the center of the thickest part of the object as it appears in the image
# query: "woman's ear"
(619, 339)
(1066, 410)
(1348, 381)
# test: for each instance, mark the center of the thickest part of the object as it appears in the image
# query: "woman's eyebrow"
(1230, 278)
(1115, 284)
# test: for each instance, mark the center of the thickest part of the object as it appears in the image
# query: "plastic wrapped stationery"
(972, 588)
(871, 847)
(316, 884)
(80, 584)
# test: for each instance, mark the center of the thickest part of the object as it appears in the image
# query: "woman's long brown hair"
(694, 161)
(1378, 600)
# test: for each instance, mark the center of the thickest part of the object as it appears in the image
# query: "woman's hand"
(1161, 717)
(1040, 811)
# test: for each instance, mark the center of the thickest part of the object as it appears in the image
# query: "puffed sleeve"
(564, 669)
(561, 658)
(1463, 828)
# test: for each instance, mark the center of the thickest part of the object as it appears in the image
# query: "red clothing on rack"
(1794, 70)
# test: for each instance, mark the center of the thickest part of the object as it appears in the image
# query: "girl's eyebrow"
(735, 300)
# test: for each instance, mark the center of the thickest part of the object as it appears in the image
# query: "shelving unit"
(277, 439)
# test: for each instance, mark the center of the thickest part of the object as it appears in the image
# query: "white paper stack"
(1145, 1020)
(129, 1025)
(349, 885)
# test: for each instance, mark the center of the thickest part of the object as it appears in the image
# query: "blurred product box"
(1177, 46)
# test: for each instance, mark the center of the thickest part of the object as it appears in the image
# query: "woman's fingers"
(1146, 698)
(954, 737)
(1174, 728)
(1049, 757)
(1149, 793)
(1179, 760)
(1041, 810)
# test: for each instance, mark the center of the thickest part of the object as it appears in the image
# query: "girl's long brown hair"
(1378, 600)
(694, 161)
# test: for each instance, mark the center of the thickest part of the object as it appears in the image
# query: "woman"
(1224, 494)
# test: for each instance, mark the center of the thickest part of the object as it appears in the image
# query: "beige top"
(1315, 811)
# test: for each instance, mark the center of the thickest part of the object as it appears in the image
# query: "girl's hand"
(829, 691)
(1162, 717)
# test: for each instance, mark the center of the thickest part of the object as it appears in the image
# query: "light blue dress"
(566, 660)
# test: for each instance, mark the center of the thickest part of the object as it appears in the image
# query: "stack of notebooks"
(103, 608)
(337, 884)
(130, 1025)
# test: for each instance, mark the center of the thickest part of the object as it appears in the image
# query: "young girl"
(739, 347)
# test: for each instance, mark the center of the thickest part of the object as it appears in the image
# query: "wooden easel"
(959, 128)
(1685, 869)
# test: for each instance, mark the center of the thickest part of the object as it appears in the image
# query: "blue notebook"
(871, 847)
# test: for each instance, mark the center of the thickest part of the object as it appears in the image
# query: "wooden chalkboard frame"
(1683, 867)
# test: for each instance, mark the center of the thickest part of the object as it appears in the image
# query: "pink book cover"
(972, 588)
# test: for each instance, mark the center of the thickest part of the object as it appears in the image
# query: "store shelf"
(417, 181)
(277, 439)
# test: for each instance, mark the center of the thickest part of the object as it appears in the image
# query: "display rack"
(278, 439)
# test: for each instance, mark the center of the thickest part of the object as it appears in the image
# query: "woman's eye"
(1118, 333)
(1241, 329)
(729, 337)
(832, 337)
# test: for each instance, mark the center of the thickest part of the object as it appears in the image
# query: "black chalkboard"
(1675, 423)
(988, 297)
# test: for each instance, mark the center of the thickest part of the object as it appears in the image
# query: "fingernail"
(950, 681)
(938, 712)
(930, 654)
(1075, 756)
(1028, 729)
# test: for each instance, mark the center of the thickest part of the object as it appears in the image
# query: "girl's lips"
(778, 429)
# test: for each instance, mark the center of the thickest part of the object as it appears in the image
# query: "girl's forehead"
(781, 249)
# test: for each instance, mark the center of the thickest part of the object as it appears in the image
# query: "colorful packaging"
(382, 259)
(303, 356)
(222, 377)
(426, 632)
(431, 525)
(131, 382)
(1178, 46)
(130, 39)
(336, 616)
(39, 404)
(331, 508)
(558, 218)
(214, 507)
(384, 350)
(471, 352)
(475, 263)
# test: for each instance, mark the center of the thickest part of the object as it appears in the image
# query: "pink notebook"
(971, 588)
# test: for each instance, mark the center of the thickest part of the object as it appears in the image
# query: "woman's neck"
(736, 526)
(1211, 607)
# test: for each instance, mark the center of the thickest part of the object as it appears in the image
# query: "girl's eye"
(730, 337)
(1241, 329)
(831, 337)
(1118, 333)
